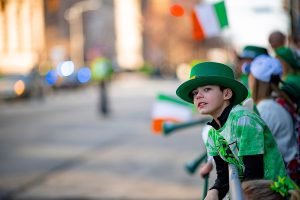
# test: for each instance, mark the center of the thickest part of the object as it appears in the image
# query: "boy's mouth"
(201, 104)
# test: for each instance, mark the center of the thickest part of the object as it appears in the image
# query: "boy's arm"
(221, 183)
(254, 167)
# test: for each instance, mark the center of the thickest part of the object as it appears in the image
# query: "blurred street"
(61, 148)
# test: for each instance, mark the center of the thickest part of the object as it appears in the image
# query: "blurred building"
(22, 35)
(90, 34)
(293, 8)
(129, 32)
(168, 39)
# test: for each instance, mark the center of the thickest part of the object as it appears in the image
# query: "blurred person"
(245, 58)
(282, 189)
(291, 102)
(290, 77)
(290, 61)
(291, 87)
(238, 136)
(102, 71)
(277, 39)
(264, 79)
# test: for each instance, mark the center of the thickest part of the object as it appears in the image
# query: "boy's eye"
(206, 89)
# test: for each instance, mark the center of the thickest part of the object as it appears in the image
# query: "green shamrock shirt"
(245, 133)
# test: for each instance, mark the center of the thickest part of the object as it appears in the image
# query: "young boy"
(238, 136)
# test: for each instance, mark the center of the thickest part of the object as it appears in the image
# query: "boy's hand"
(206, 169)
(212, 195)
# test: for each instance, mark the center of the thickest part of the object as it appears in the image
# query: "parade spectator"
(277, 39)
(248, 54)
(245, 58)
(291, 87)
(290, 61)
(238, 136)
(264, 79)
(102, 72)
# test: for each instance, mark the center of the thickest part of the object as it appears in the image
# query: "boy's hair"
(261, 189)
(222, 88)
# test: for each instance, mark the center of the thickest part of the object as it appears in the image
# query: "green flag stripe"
(221, 13)
(163, 97)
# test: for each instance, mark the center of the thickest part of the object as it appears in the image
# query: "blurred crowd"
(273, 81)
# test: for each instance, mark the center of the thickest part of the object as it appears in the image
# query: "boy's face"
(210, 100)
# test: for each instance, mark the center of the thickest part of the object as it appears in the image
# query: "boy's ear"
(227, 94)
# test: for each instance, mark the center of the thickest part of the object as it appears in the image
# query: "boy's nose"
(198, 95)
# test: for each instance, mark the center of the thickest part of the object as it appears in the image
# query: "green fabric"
(283, 185)
(247, 134)
(289, 56)
(221, 14)
(212, 73)
(252, 52)
(244, 79)
(255, 109)
(226, 153)
(168, 98)
(291, 87)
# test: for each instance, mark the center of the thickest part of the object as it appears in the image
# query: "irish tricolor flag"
(209, 20)
(169, 109)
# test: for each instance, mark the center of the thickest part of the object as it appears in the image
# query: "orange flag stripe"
(198, 33)
(157, 124)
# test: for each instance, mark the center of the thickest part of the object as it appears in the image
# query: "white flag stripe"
(163, 109)
(208, 20)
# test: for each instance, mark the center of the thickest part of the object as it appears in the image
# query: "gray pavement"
(61, 148)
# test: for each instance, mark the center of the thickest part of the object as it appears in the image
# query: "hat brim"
(184, 91)
(246, 56)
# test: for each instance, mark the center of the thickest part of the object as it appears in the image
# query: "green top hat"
(212, 73)
(253, 51)
(289, 56)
